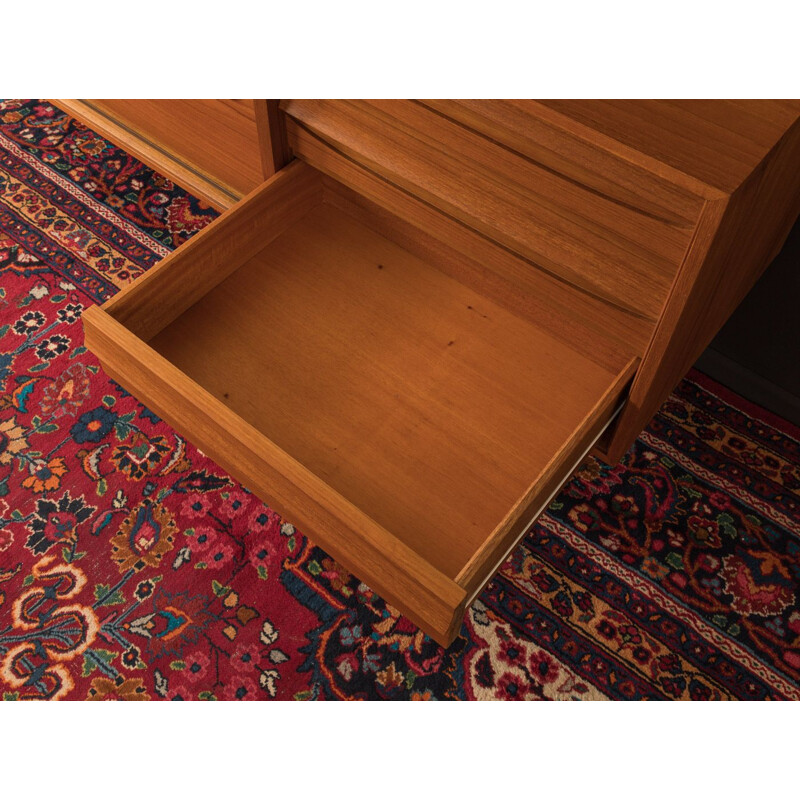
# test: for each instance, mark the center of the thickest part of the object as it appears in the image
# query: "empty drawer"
(408, 424)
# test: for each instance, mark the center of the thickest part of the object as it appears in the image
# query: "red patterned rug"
(133, 568)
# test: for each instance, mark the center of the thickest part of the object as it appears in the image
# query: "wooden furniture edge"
(729, 234)
(215, 252)
(573, 452)
(630, 154)
(161, 158)
(435, 602)
(624, 435)
(272, 141)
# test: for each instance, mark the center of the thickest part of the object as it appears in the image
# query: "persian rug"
(134, 568)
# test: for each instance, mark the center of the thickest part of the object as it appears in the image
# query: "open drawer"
(407, 423)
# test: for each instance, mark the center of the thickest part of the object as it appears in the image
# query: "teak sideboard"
(415, 318)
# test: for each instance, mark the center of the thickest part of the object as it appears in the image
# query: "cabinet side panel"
(734, 242)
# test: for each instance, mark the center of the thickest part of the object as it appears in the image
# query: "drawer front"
(406, 423)
(588, 216)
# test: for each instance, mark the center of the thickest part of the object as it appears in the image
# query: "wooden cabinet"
(409, 337)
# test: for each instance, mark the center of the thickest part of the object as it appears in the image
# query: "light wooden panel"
(430, 599)
(592, 241)
(603, 333)
(717, 142)
(736, 239)
(425, 405)
(597, 328)
(526, 128)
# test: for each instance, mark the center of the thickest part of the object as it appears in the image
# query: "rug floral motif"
(134, 568)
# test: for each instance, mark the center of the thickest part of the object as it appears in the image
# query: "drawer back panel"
(568, 207)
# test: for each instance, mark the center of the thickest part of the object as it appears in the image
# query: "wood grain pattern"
(592, 326)
(275, 152)
(187, 274)
(604, 334)
(401, 576)
(717, 142)
(425, 405)
(594, 242)
(735, 240)
(524, 127)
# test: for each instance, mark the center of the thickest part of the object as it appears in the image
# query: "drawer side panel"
(430, 599)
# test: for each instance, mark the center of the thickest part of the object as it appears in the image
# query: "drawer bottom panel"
(407, 424)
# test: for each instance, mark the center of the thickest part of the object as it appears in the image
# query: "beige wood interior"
(425, 405)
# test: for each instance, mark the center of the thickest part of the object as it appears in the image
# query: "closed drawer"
(407, 423)
(600, 224)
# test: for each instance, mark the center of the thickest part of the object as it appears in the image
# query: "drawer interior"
(436, 412)
(423, 404)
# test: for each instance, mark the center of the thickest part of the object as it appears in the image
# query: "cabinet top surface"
(717, 142)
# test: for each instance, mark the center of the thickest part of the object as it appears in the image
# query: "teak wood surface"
(437, 414)
(422, 403)
(431, 599)
(407, 343)
(603, 332)
(595, 242)
(736, 237)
